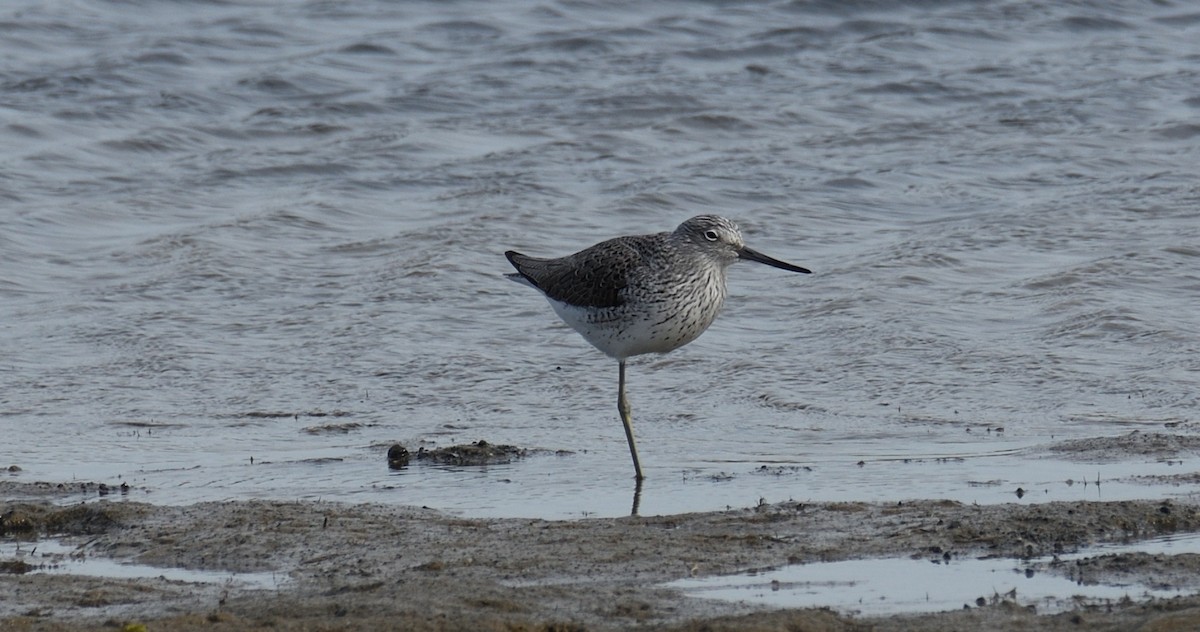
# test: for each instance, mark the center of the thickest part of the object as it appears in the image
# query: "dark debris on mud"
(1147, 444)
(479, 453)
(30, 520)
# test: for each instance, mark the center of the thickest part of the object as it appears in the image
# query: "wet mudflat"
(369, 566)
(249, 246)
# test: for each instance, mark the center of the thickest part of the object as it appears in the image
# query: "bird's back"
(591, 278)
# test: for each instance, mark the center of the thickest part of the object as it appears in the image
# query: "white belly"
(625, 331)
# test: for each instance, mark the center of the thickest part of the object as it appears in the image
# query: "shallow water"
(51, 556)
(229, 226)
(886, 586)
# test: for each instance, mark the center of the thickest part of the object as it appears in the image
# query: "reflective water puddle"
(888, 586)
(55, 557)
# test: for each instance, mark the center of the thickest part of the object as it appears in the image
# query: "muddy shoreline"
(351, 567)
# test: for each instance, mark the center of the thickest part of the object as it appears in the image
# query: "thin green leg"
(623, 408)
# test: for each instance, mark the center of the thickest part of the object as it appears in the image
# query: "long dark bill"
(754, 255)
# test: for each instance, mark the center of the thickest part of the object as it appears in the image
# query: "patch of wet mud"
(1159, 571)
(345, 428)
(479, 453)
(1154, 445)
(476, 454)
(1187, 478)
(31, 520)
(360, 567)
(277, 414)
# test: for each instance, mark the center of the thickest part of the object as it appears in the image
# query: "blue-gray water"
(221, 220)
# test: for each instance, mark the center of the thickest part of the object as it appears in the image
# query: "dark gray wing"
(593, 277)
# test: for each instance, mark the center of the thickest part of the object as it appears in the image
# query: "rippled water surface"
(246, 246)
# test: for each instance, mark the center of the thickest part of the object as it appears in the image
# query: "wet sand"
(370, 567)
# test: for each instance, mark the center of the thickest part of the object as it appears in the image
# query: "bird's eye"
(711, 235)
